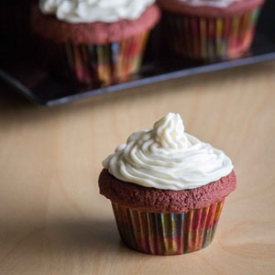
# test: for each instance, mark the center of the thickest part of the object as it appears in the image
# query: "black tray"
(39, 86)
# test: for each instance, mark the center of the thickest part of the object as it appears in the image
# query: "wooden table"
(52, 218)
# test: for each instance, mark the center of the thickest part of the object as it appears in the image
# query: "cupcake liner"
(103, 64)
(167, 233)
(210, 38)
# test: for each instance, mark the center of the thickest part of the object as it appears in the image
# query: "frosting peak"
(86, 11)
(169, 132)
(165, 157)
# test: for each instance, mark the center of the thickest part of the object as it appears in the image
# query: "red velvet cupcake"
(209, 29)
(94, 43)
(167, 189)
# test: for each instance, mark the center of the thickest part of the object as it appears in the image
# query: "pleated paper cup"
(107, 63)
(167, 233)
(209, 38)
(98, 65)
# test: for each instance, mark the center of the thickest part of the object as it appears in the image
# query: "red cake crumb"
(166, 201)
(48, 27)
(235, 8)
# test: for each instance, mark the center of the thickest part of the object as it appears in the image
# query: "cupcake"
(94, 42)
(209, 29)
(167, 189)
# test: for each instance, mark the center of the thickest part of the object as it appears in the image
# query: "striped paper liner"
(104, 64)
(167, 233)
(210, 38)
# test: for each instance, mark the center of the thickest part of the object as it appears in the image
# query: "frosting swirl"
(165, 157)
(84, 11)
(211, 3)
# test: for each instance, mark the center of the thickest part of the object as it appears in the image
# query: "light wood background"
(52, 218)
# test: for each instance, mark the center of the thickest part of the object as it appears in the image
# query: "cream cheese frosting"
(165, 157)
(84, 11)
(211, 3)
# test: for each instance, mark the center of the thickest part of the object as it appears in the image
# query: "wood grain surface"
(52, 218)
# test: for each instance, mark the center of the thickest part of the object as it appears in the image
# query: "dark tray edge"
(26, 92)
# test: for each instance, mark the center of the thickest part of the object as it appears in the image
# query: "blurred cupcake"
(167, 189)
(95, 42)
(210, 29)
